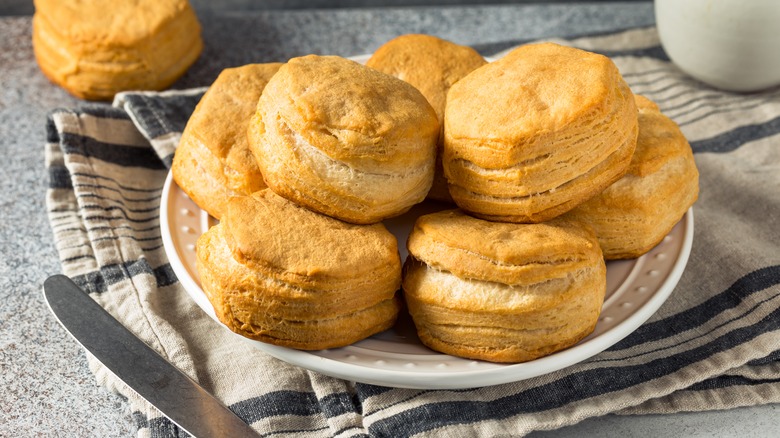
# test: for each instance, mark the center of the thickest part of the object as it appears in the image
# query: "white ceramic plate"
(635, 290)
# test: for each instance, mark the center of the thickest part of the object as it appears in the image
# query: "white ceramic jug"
(729, 44)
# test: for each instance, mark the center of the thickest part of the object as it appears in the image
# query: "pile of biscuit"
(552, 162)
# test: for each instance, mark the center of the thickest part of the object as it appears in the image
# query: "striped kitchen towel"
(715, 344)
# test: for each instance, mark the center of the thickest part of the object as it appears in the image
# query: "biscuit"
(213, 161)
(344, 140)
(432, 65)
(502, 292)
(634, 214)
(281, 274)
(94, 53)
(533, 134)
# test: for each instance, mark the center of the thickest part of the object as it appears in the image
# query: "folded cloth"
(715, 344)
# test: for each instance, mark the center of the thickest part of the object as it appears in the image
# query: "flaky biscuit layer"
(634, 214)
(502, 292)
(281, 274)
(533, 134)
(344, 139)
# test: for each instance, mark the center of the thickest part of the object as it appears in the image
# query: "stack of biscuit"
(546, 152)
(526, 138)
(305, 263)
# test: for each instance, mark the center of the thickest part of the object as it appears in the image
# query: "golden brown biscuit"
(344, 139)
(213, 161)
(502, 292)
(533, 134)
(281, 274)
(95, 53)
(634, 214)
(432, 65)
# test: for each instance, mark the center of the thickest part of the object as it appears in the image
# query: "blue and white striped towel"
(715, 344)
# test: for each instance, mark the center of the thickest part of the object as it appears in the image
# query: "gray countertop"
(47, 389)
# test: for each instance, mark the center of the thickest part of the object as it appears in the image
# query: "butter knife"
(175, 394)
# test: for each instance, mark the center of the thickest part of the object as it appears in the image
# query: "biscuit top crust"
(349, 111)
(222, 115)
(660, 140)
(429, 63)
(122, 23)
(507, 253)
(267, 232)
(534, 90)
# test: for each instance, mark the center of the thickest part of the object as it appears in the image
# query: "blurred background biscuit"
(95, 49)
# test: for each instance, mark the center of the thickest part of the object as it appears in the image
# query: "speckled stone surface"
(46, 388)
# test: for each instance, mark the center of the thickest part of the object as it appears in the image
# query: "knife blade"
(174, 393)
